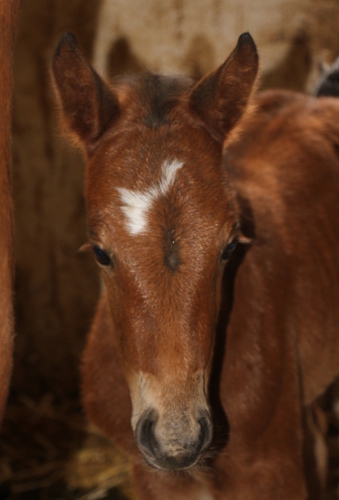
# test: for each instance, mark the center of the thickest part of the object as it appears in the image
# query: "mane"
(157, 94)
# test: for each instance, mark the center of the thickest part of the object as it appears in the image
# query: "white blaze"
(136, 204)
(168, 173)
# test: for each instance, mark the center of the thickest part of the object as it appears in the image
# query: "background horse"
(9, 13)
(213, 216)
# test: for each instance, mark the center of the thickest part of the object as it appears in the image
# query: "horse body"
(9, 13)
(281, 343)
(288, 168)
(217, 326)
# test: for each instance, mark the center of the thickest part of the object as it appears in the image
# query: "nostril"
(205, 431)
(145, 434)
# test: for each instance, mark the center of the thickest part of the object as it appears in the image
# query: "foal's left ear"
(220, 98)
(88, 106)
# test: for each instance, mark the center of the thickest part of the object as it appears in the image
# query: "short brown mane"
(157, 94)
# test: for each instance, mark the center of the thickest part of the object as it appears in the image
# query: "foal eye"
(228, 250)
(102, 258)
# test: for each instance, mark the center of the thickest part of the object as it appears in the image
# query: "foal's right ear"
(88, 106)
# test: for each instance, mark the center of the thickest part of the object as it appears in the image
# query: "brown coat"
(214, 218)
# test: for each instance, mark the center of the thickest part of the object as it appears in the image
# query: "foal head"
(162, 224)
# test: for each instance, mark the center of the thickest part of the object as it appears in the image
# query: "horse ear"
(88, 106)
(220, 98)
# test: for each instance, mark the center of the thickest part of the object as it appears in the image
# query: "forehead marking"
(136, 204)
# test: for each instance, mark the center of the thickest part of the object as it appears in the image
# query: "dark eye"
(228, 250)
(101, 256)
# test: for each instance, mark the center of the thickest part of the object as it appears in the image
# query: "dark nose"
(180, 452)
(145, 435)
(206, 431)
